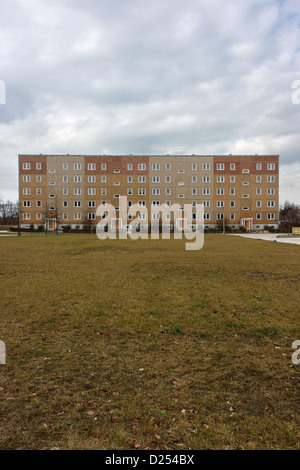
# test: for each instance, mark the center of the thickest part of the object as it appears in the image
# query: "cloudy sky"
(150, 77)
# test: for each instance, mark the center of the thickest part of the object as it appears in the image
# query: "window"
(52, 196)
(26, 191)
(27, 216)
(168, 192)
(155, 191)
(271, 191)
(205, 179)
(180, 171)
(258, 191)
(271, 179)
(258, 203)
(142, 179)
(155, 166)
(92, 204)
(103, 191)
(220, 191)
(116, 171)
(245, 183)
(155, 179)
(220, 166)
(258, 179)
(206, 203)
(65, 179)
(271, 216)
(91, 166)
(65, 191)
(103, 179)
(206, 191)
(142, 191)
(51, 170)
(77, 191)
(52, 183)
(129, 179)
(206, 216)
(38, 203)
(26, 166)
(77, 166)
(92, 179)
(38, 216)
(180, 183)
(142, 203)
(244, 170)
(77, 179)
(168, 166)
(194, 191)
(116, 196)
(180, 195)
(91, 191)
(91, 216)
(26, 204)
(168, 179)
(38, 166)
(258, 216)
(220, 203)
(232, 191)
(220, 216)
(103, 166)
(155, 203)
(194, 166)
(271, 166)
(220, 179)
(129, 166)
(206, 166)
(77, 216)
(271, 203)
(232, 166)
(232, 203)
(258, 166)
(38, 191)
(26, 178)
(156, 216)
(129, 191)
(142, 166)
(77, 203)
(117, 183)
(65, 216)
(232, 179)
(232, 216)
(65, 166)
(65, 203)
(245, 196)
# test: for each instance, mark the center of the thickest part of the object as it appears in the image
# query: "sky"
(150, 77)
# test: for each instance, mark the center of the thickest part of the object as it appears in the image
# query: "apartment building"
(59, 190)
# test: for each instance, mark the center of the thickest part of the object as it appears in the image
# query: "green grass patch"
(111, 343)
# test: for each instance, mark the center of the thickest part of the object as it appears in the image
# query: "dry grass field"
(143, 345)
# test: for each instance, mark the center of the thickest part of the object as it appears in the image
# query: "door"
(181, 224)
(51, 224)
(116, 224)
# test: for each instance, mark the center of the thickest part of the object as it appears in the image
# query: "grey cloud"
(148, 77)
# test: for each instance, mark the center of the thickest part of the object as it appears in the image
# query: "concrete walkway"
(271, 237)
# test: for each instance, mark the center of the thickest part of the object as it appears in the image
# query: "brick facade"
(67, 189)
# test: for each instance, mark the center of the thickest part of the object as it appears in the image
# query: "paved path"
(271, 237)
(6, 233)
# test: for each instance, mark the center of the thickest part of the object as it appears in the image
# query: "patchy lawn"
(141, 344)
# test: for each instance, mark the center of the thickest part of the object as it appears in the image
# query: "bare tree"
(9, 212)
